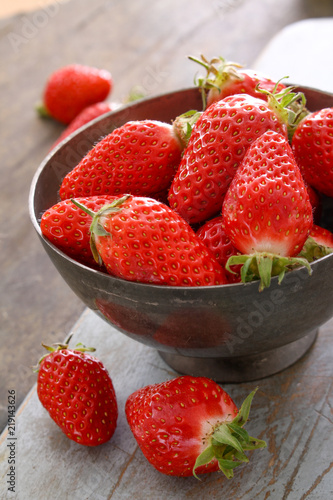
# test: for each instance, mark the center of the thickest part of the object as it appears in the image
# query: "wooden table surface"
(142, 43)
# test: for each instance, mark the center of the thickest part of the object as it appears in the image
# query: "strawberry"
(225, 78)
(316, 203)
(213, 235)
(217, 145)
(312, 145)
(140, 157)
(68, 227)
(189, 426)
(85, 116)
(77, 391)
(141, 239)
(318, 244)
(267, 212)
(72, 88)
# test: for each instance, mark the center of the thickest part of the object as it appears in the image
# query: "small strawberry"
(267, 212)
(77, 391)
(318, 244)
(85, 116)
(213, 235)
(226, 78)
(312, 145)
(140, 158)
(72, 88)
(217, 145)
(141, 239)
(68, 227)
(189, 426)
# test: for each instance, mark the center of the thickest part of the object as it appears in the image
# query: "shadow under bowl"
(231, 333)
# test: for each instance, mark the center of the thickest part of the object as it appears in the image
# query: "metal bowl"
(230, 333)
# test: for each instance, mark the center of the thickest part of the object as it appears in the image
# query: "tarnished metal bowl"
(230, 333)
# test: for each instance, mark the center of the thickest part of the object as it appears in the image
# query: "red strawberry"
(141, 239)
(72, 88)
(190, 425)
(318, 244)
(266, 211)
(312, 145)
(68, 227)
(217, 145)
(226, 78)
(85, 116)
(316, 203)
(77, 391)
(213, 234)
(140, 157)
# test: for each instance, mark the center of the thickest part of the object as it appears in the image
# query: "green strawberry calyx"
(229, 441)
(58, 346)
(183, 125)
(97, 227)
(264, 265)
(289, 106)
(218, 71)
(313, 251)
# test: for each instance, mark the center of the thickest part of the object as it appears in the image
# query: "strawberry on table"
(72, 88)
(218, 143)
(189, 426)
(140, 158)
(226, 78)
(85, 116)
(312, 145)
(267, 213)
(68, 227)
(77, 391)
(141, 239)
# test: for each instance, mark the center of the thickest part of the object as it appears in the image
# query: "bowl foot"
(241, 368)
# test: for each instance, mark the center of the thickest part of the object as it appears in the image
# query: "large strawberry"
(312, 145)
(68, 227)
(189, 426)
(267, 213)
(140, 157)
(77, 391)
(218, 143)
(226, 78)
(213, 234)
(142, 239)
(85, 116)
(72, 88)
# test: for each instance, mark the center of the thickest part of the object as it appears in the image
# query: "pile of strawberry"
(228, 194)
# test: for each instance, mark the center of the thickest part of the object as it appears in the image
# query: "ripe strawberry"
(141, 239)
(85, 116)
(312, 145)
(266, 211)
(264, 196)
(318, 244)
(190, 425)
(225, 78)
(140, 157)
(217, 145)
(68, 227)
(316, 203)
(77, 391)
(72, 88)
(213, 235)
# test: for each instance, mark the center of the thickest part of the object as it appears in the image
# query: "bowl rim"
(91, 124)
